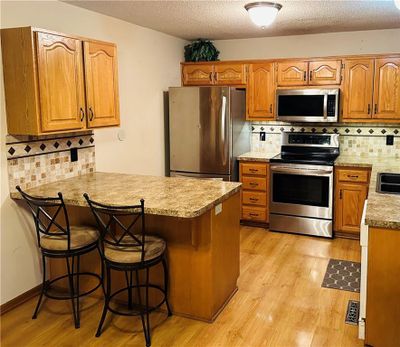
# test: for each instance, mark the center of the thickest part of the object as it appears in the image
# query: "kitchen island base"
(203, 258)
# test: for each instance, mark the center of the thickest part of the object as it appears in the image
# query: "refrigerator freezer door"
(199, 127)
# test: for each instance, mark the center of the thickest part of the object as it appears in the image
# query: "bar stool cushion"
(153, 247)
(81, 236)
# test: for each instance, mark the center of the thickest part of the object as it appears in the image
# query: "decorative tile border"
(20, 148)
(344, 130)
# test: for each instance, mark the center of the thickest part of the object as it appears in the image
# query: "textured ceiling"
(229, 20)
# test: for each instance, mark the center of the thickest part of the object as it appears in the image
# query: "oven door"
(302, 190)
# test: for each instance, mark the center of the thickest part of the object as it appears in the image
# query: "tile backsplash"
(37, 160)
(355, 139)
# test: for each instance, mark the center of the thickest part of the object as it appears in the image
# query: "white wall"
(358, 42)
(148, 65)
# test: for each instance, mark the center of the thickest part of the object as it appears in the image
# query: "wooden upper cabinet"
(197, 74)
(292, 73)
(101, 84)
(47, 86)
(387, 88)
(357, 90)
(229, 74)
(261, 91)
(325, 72)
(62, 95)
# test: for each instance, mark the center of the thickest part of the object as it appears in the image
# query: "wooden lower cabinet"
(351, 190)
(383, 290)
(254, 177)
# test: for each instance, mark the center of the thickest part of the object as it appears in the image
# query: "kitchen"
(280, 273)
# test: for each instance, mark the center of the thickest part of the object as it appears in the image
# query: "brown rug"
(343, 275)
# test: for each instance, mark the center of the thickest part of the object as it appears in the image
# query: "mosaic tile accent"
(342, 274)
(354, 139)
(36, 161)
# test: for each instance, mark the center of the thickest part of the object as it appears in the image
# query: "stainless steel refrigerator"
(207, 131)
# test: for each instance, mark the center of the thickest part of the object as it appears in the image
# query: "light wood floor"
(280, 303)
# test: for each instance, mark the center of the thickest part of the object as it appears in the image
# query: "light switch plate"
(218, 209)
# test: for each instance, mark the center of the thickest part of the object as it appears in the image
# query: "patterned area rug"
(342, 274)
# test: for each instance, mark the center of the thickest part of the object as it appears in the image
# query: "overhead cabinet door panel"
(293, 73)
(62, 97)
(387, 88)
(101, 84)
(325, 72)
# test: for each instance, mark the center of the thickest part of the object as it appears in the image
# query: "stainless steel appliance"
(207, 131)
(301, 196)
(308, 105)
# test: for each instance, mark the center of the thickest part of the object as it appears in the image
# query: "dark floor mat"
(342, 274)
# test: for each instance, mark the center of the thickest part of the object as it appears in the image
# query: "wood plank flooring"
(280, 303)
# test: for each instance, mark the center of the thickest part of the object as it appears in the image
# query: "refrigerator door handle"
(223, 128)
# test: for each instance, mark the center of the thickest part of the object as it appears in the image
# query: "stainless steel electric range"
(301, 199)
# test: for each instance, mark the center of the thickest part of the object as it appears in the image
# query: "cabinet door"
(197, 75)
(61, 86)
(350, 200)
(261, 91)
(325, 72)
(293, 73)
(357, 91)
(101, 84)
(230, 74)
(387, 88)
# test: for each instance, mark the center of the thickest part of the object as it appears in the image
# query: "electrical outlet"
(262, 136)
(389, 140)
(74, 154)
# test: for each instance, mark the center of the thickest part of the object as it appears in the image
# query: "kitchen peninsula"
(199, 219)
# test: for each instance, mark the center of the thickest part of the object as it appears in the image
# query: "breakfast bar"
(199, 219)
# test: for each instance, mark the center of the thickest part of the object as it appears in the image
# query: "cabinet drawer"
(254, 169)
(360, 176)
(254, 213)
(254, 198)
(254, 183)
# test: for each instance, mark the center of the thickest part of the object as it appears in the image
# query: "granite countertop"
(257, 156)
(383, 210)
(166, 196)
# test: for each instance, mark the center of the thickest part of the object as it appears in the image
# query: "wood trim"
(20, 299)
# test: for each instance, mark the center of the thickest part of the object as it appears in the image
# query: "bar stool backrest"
(49, 214)
(117, 225)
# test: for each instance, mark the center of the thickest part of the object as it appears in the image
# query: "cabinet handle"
(211, 77)
(253, 199)
(91, 114)
(304, 75)
(253, 184)
(340, 194)
(352, 176)
(310, 75)
(253, 214)
(376, 108)
(369, 109)
(253, 170)
(270, 108)
(82, 114)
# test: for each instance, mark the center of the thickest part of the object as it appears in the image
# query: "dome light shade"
(263, 14)
(397, 3)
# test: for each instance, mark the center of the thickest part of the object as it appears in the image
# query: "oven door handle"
(303, 172)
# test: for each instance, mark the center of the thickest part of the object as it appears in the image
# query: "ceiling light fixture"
(263, 14)
(397, 3)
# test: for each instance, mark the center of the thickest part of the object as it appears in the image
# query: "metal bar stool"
(58, 239)
(126, 248)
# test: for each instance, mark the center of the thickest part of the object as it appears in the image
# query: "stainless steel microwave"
(308, 105)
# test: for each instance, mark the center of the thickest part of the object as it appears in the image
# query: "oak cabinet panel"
(62, 95)
(325, 72)
(45, 78)
(101, 84)
(258, 214)
(293, 73)
(387, 88)
(359, 80)
(230, 74)
(197, 75)
(261, 91)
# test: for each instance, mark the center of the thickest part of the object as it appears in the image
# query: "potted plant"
(201, 50)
